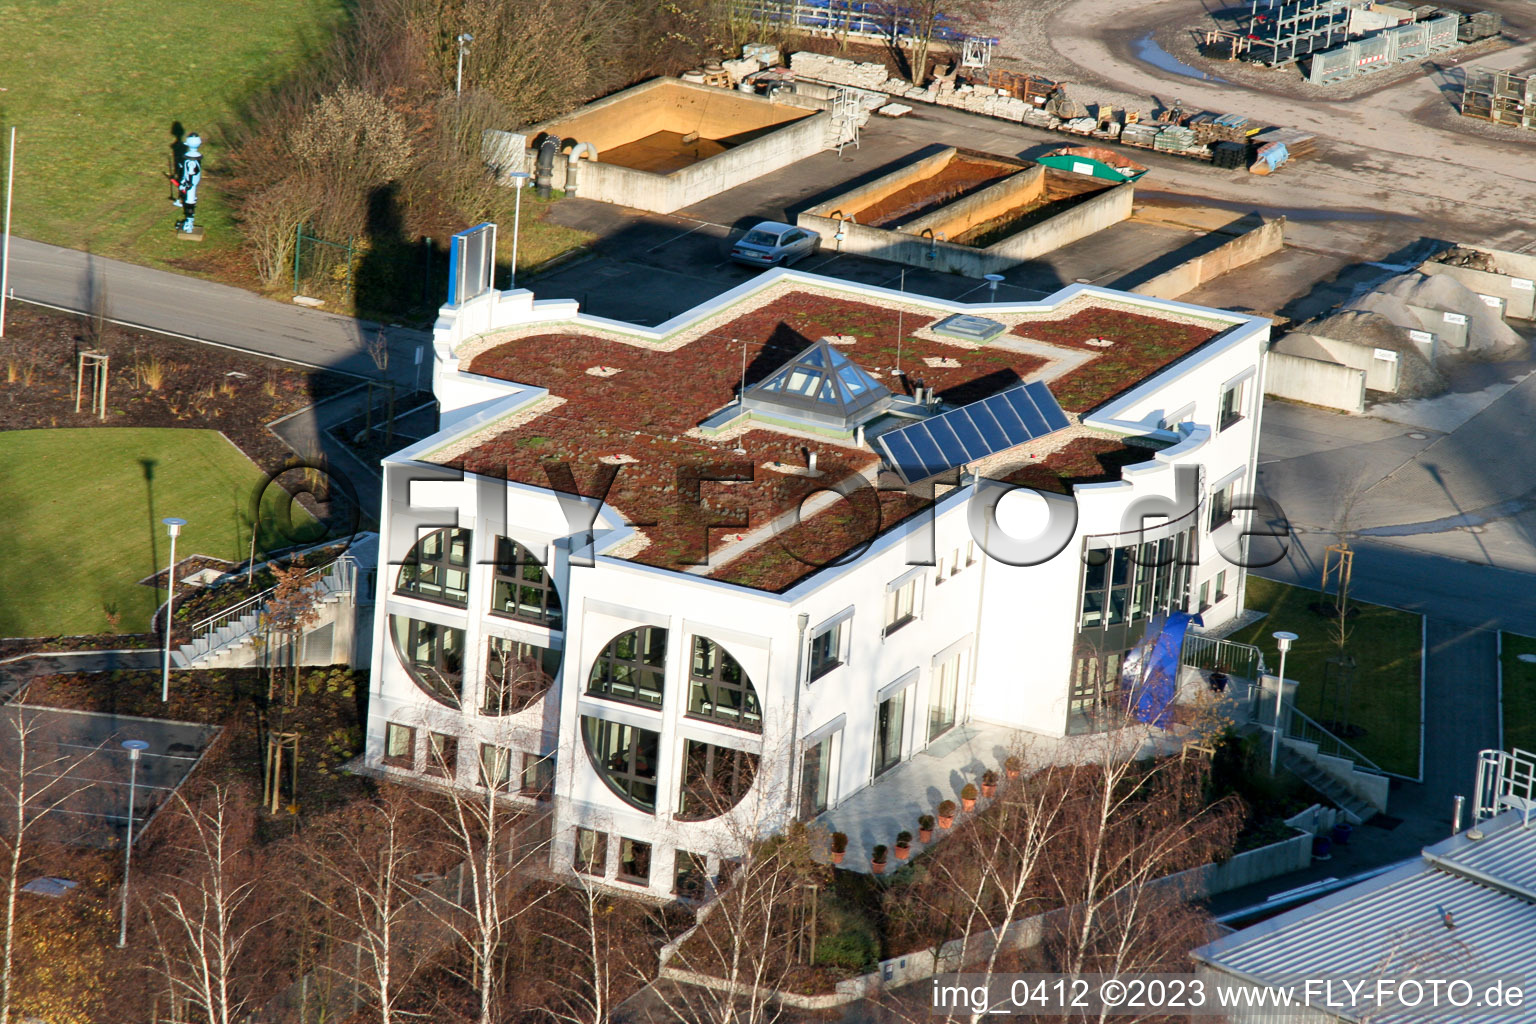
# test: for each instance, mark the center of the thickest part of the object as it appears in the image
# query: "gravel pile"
(1487, 333)
(1416, 377)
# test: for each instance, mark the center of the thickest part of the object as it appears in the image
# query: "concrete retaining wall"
(1315, 382)
(682, 107)
(1251, 245)
(954, 219)
(1093, 214)
(1516, 286)
(1380, 374)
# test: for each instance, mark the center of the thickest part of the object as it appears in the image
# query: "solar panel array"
(1005, 420)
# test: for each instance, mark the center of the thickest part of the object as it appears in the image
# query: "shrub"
(947, 809)
(839, 842)
(969, 792)
(904, 839)
(877, 855)
(989, 778)
(852, 950)
(925, 823)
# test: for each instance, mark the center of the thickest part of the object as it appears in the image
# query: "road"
(202, 310)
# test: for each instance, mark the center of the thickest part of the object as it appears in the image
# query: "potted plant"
(877, 860)
(946, 813)
(1341, 833)
(989, 784)
(925, 829)
(1013, 766)
(968, 797)
(839, 847)
(903, 845)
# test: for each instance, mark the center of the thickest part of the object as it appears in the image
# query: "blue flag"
(1150, 675)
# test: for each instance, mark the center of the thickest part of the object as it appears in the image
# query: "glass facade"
(890, 725)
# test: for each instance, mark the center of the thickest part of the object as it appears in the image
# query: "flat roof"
(1467, 906)
(636, 404)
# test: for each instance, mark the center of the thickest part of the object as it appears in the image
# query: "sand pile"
(1487, 333)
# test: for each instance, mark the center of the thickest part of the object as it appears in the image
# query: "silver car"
(772, 244)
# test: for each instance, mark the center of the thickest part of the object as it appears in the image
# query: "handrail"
(342, 567)
(1310, 731)
(1208, 652)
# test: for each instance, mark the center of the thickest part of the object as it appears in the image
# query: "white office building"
(685, 584)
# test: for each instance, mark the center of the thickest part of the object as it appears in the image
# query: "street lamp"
(519, 179)
(173, 527)
(1284, 640)
(464, 40)
(134, 748)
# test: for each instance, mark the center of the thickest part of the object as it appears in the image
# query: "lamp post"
(134, 748)
(1283, 640)
(173, 527)
(520, 178)
(464, 39)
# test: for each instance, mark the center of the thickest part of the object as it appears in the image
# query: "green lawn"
(1519, 693)
(93, 89)
(1386, 644)
(82, 520)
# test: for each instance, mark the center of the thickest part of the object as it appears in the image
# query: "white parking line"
(685, 234)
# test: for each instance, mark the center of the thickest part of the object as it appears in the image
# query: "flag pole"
(5, 250)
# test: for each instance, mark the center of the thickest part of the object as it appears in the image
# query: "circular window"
(433, 656)
(437, 568)
(625, 758)
(719, 690)
(516, 675)
(714, 780)
(522, 588)
(632, 668)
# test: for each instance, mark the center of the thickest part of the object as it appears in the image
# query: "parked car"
(770, 244)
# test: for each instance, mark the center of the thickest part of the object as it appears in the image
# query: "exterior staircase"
(227, 638)
(1353, 807)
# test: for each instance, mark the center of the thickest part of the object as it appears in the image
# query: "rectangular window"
(714, 780)
(634, 861)
(1221, 506)
(954, 562)
(944, 698)
(632, 668)
(442, 754)
(827, 650)
(538, 775)
(719, 690)
(399, 745)
(890, 723)
(495, 767)
(1205, 595)
(437, 568)
(1232, 405)
(726, 872)
(1221, 585)
(816, 778)
(938, 575)
(689, 872)
(970, 552)
(522, 589)
(901, 606)
(591, 857)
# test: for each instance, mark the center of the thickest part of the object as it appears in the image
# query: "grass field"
(94, 88)
(1386, 644)
(1519, 693)
(82, 521)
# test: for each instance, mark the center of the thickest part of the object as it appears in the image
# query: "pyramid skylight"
(820, 384)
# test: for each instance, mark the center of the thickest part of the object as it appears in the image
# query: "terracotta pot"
(1013, 773)
(903, 852)
(967, 804)
(877, 869)
(925, 835)
(838, 855)
(946, 822)
(989, 791)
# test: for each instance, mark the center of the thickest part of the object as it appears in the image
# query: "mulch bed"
(154, 381)
(958, 178)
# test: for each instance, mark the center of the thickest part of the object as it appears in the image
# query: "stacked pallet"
(826, 68)
(1230, 155)
(1174, 139)
(1143, 135)
(1297, 143)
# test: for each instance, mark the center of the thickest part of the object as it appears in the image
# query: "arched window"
(433, 657)
(719, 690)
(437, 568)
(632, 668)
(523, 589)
(625, 757)
(516, 675)
(714, 780)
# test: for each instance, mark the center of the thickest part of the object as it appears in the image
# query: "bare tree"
(29, 776)
(500, 848)
(199, 909)
(599, 941)
(362, 860)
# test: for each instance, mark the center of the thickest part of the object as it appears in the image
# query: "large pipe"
(544, 165)
(578, 150)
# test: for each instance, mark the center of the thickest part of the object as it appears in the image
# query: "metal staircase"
(240, 625)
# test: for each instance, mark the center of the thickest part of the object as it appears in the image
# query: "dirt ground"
(154, 381)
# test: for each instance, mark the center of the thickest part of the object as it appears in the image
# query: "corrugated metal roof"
(1397, 923)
